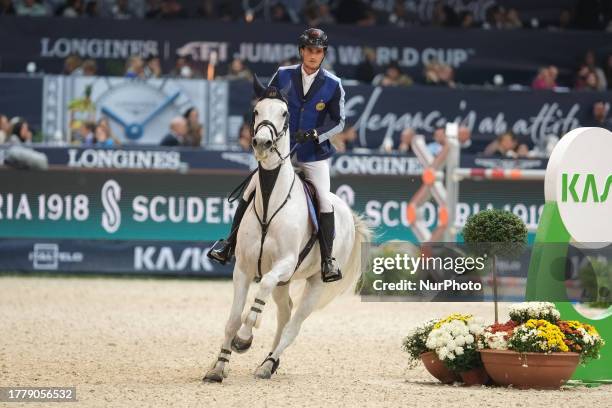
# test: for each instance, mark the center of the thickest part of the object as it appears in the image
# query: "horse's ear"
(285, 91)
(258, 87)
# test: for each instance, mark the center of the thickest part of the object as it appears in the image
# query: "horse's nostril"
(268, 144)
(254, 142)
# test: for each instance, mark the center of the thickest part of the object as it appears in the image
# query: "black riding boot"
(223, 250)
(329, 267)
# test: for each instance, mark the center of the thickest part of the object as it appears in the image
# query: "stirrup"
(217, 254)
(333, 277)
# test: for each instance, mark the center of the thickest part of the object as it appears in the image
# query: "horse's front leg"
(281, 272)
(241, 288)
(312, 293)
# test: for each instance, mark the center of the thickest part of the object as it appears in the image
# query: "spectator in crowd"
(392, 76)
(399, 16)
(439, 141)
(244, 137)
(467, 20)
(238, 71)
(207, 10)
(5, 128)
(546, 78)
(6, 8)
(182, 68)
(356, 12)
(444, 16)
(439, 74)
(167, 9)
(504, 146)
(178, 132)
(71, 64)
(608, 71)
(367, 69)
(195, 130)
(317, 13)
(590, 60)
(600, 115)
(495, 18)
(31, 8)
(512, 19)
(121, 10)
(21, 133)
(566, 21)
(586, 79)
(134, 68)
(106, 124)
(405, 142)
(464, 137)
(153, 68)
(91, 9)
(343, 141)
(279, 13)
(522, 151)
(72, 8)
(102, 137)
(89, 68)
(85, 135)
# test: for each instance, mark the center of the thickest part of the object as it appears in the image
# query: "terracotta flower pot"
(529, 370)
(475, 376)
(438, 369)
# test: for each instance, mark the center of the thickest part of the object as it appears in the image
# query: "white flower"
(469, 340)
(458, 351)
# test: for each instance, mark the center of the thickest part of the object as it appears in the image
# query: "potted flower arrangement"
(415, 345)
(454, 341)
(535, 349)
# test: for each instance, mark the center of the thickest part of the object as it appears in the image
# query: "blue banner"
(383, 112)
(185, 258)
(476, 55)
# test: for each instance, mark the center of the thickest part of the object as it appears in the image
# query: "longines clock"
(140, 111)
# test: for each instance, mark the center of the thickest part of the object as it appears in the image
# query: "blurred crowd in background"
(590, 73)
(581, 14)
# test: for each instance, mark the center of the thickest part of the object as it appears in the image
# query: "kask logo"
(590, 192)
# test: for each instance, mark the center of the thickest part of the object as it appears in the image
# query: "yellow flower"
(455, 316)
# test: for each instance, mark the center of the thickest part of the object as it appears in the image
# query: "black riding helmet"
(313, 37)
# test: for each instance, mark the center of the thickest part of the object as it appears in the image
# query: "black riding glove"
(303, 136)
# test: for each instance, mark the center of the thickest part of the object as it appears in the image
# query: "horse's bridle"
(276, 135)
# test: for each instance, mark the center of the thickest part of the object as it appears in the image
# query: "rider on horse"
(316, 107)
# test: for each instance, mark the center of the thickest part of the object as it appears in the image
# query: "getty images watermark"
(404, 263)
(459, 272)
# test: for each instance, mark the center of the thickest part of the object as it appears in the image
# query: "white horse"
(287, 233)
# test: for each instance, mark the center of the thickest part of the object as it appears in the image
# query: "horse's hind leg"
(241, 288)
(312, 293)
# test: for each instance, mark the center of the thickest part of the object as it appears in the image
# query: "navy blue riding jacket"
(322, 108)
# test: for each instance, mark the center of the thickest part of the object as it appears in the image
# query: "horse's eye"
(284, 114)
(256, 113)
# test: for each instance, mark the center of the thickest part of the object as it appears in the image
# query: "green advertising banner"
(179, 207)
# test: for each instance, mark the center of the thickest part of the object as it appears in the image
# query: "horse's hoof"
(213, 377)
(241, 346)
(264, 372)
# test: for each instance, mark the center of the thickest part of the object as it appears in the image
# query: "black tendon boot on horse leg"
(223, 250)
(330, 272)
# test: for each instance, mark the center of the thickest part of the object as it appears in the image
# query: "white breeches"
(317, 173)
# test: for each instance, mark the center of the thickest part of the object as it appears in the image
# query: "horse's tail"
(352, 270)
